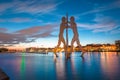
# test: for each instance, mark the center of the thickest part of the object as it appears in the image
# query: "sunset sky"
(36, 23)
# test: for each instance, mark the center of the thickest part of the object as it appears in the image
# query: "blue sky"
(36, 23)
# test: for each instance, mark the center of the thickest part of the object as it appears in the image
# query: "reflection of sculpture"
(73, 26)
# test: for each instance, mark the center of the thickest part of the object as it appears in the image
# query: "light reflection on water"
(97, 66)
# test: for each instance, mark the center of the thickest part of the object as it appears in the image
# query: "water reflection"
(22, 67)
(60, 68)
(110, 64)
(99, 66)
(93, 66)
(67, 69)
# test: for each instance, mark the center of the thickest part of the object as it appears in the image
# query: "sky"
(36, 23)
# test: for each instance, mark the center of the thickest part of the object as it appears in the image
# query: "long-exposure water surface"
(30, 66)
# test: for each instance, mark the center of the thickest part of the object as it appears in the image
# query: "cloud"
(3, 30)
(20, 20)
(17, 20)
(116, 30)
(114, 5)
(29, 31)
(37, 30)
(4, 6)
(28, 6)
(8, 38)
(43, 35)
(101, 24)
(27, 35)
(15, 8)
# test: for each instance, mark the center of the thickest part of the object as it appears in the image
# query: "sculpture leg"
(55, 51)
(64, 45)
(63, 41)
(56, 48)
(72, 42)
(78, 43)
(59, 42)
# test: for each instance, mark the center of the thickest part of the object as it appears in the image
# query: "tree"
(3, 49)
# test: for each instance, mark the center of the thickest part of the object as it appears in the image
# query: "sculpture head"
(72, 19)
(63, 19)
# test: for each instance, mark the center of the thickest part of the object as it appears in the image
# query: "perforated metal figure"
(75, 38)
(63, 25)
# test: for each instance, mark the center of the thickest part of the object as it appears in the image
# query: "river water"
(30, 66)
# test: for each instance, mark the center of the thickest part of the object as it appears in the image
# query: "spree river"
(30, 66)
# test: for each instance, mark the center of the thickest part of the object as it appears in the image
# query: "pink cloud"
(27, 35)
(3, 30)
(18, 20)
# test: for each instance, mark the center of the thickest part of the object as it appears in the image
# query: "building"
(108, 47)
(117, 43)
(93, 47)
(99, 47)
(36, 50)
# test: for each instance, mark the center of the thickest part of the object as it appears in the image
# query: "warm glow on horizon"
(35, 26)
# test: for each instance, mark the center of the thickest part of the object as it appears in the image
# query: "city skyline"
(25, 23)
